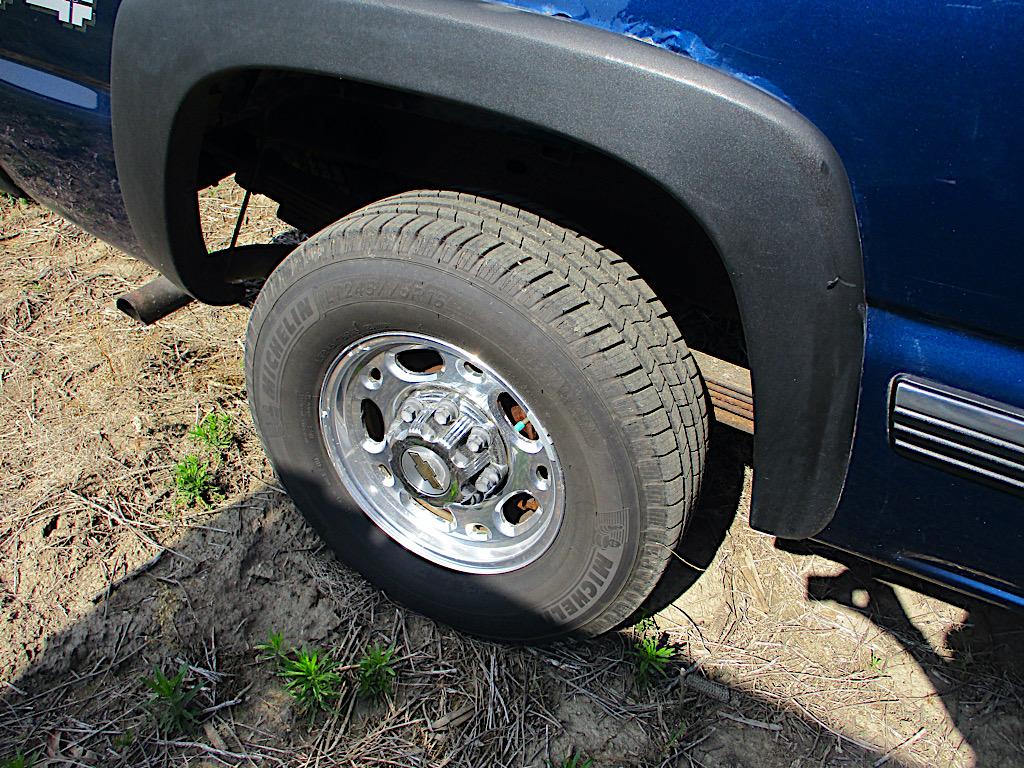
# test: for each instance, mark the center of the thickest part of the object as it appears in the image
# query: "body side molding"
(766, 185)
(958, 431)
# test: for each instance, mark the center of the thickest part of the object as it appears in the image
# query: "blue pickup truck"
(553, 244)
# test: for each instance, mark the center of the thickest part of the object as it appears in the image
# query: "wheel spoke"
(460, 373)
(449, 374)
(385, 389)
(523, 471)
(386, 396)
(469, 516)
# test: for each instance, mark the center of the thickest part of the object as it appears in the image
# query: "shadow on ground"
(982, 665)
(254, 567)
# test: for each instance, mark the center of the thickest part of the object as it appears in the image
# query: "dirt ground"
(793, 659)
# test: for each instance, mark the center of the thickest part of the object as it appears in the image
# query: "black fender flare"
(766, 185)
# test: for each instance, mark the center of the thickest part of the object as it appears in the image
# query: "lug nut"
(477, 440)
(410, 410)
(444, 413)
(487, 480)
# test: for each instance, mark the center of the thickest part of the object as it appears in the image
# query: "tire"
(567, 325)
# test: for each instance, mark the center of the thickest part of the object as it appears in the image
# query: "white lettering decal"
(77, 13)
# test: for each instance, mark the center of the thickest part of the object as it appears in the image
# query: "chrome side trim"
(962, 432)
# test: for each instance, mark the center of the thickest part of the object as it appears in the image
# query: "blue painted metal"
(951, 577)
(62, 153)
(898, 510)
(55, 138)
(50, 86)
(923, 103)
(38, 39)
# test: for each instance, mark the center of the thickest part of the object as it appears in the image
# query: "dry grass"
(104, 577)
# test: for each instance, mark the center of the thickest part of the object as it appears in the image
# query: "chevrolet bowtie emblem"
(425, 470)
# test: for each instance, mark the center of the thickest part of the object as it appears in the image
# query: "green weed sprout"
(376, 671)
(273, 649)
(171, 700)
(20, 760)
(193, 482)
(214, 431)
(311, 677)
(651, 656)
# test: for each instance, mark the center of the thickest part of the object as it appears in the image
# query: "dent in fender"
(679, 41)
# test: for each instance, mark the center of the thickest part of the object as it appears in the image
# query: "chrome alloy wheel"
(442, 453)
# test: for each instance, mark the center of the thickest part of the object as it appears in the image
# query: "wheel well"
(765, 184)
(322, 147)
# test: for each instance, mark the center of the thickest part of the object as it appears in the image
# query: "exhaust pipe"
(158, 298)
(152, 301)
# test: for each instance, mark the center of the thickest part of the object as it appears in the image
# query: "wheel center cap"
(425, 471)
